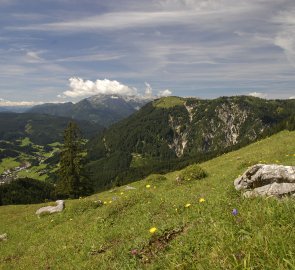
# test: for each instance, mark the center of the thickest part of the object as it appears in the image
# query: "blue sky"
(59, 50)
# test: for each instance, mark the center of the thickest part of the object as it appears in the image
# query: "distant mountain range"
(39, 128)
(102, 109)
(17, 109)
(171, 132)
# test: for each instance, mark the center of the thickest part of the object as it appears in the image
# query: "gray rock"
(52, 209)
(267, 180)
(3, 237)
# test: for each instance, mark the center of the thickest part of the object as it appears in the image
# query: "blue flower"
(235, 211)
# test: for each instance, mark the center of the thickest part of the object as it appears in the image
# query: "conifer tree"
(72, 180)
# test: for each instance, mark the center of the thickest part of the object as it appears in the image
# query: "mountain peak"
(102, 109)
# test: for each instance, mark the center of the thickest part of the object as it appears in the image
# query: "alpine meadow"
(147, 135)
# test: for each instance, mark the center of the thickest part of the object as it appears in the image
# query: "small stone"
(3, 237)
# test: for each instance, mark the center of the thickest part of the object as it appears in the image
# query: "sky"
(66, 50)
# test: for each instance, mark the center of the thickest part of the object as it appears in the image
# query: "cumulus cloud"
(83, 88)
(257, 94)
(7, 103)
(164, 93)
(148, 90)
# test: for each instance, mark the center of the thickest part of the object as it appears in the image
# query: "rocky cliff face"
(180, 135)
(206, 127)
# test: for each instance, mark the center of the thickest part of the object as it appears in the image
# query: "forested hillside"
(172, 132)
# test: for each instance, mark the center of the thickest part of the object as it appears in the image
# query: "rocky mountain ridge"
(102, 109)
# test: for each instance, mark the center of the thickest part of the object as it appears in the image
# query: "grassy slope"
(34, 172)
(8, 163)
(168, 102)
(203, 236)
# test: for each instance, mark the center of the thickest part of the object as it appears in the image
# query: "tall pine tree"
(72, 181)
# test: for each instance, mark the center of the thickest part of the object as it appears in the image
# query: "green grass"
(34, 172)
(55, 144)
(25, 142)
(8, 163)
(201, 236)
(168, 102)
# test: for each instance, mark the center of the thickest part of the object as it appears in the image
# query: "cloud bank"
(164, 93)
(83, 88)
(7, 103)
(80, 88)
(257, 94)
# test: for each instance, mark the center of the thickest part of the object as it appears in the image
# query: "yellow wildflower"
(187, 205)
(201, 200)
(122, 193)
(153, 230)
(148, 186)
(105, 202)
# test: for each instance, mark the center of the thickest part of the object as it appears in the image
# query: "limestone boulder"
(267, 180)
(52, 209)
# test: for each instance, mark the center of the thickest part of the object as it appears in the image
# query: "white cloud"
(257, 94)
(83, 88)
(285, 38)
(164, 93)
(168, 13)
(33, 57)
(91, 58)
(6, 103)
(286, 41)
(148, 90)
(293, 97)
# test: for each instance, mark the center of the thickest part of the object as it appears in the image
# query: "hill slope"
(172, 132)
(41, 129)
(203, 235)
(30, 143)
(102, 109)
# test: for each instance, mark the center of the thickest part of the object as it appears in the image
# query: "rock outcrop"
(267, 180)
(52, 209)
